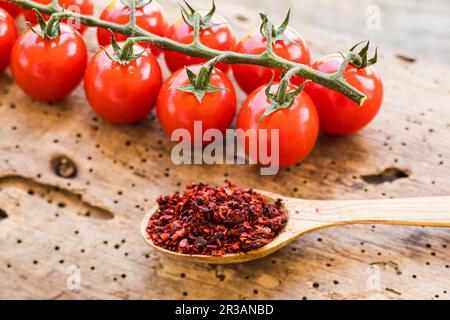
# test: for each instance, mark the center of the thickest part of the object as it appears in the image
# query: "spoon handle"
(432, 211)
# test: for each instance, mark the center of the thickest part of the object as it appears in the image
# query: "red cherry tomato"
(219, 37)
(12, 9)
(298, 125)
(250, 77)
(150, 17)
(122, 93)
(77, 6)
(178, 109)
(338, 114)
(48, 70)
(8, 35)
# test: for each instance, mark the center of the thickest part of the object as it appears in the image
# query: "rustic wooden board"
(49, 223)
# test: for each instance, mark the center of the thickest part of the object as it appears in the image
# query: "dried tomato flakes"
(210, 220)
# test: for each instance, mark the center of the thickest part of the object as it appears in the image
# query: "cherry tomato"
(48, 70)
(122, 93)
(12, 9)
(338, 114)
(8, 35)
(150, 17)
(178, 109)
(298, 125)
(250, 77)
(219, 37)
(77, 6)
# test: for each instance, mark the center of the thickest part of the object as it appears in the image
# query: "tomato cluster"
(122, 86)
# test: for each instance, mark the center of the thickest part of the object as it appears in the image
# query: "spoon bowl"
(305, 216)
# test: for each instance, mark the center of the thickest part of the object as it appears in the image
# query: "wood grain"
(92, 220)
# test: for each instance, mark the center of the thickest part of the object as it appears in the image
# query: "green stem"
(350, 56)
(332, 81)
(269, 38)
(132, 22)
(127, 48)
(204, 75)
(51, 22)
(197, 28)
(284, 84)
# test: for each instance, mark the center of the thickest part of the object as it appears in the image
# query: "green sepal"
(45, 32)
(282, 28)
(290, 96)
(273, 105)
(361, 60)
(199, 84)
(123, 55)
(276, 103)
(276, 33)
(191, 76)
(199, 93)
(138, 3)
(188, 13)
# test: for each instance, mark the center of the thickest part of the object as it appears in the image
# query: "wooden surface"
(49, 223)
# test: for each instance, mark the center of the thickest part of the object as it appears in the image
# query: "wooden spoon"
(306, 216)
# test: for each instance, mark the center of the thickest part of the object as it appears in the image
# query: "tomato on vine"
(197, 93)
(77, 6)
(12, 9)
(338, 114)
(122, 84)
(48, 63)
(8, 35)
(287, 44)
(150, 16)
(215, 33)
(286, 108)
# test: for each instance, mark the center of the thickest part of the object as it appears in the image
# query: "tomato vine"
(334, 81)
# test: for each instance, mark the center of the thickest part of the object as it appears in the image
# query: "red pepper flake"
(210, 220)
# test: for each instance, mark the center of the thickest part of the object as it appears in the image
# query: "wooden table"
(52, 223)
